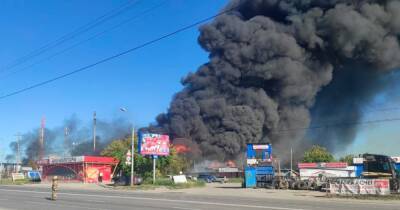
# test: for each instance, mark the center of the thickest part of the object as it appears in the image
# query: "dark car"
(210, 178)
(126, 180)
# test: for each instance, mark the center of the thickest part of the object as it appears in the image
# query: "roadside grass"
(235, 180)
(168, 183)
(8, 181)
(163, 182)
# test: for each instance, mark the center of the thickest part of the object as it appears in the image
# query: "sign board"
(334, 165)
(17, 176)
(307, 165)
(76, 159)
(34, 175)
(24, 168)
(307, 173)
(180, 179)
(360, 187)
(251, 161)
(260, 146)
(154, 144)
(128, 157)
(358, 160)
(228, 170)
(396, 159)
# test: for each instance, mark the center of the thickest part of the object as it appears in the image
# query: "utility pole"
(66, 133)
(94, 132)
(18, 155)
(154, 169)
(291, 160)
(41, 138)
(132, 149)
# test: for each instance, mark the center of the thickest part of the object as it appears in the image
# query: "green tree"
(317, 154)
(348, 159)
(118, 149)
(167, 165)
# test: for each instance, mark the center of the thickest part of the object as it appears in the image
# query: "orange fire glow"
(181, 149)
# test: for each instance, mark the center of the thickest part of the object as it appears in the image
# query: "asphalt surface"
(20, 197)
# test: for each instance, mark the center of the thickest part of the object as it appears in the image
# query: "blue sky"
(143, 82)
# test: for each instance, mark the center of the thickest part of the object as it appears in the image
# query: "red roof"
(100, 159)
(79, 159)
(323, 165)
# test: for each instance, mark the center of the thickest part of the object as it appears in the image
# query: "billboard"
(153, 144)
(360, 187)
(93, 173)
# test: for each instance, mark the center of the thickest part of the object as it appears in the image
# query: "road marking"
(175, 207)
(95, 201)
(163, 200)
(69, 205)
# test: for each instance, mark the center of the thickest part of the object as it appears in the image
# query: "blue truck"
(373, 166)
(259, 170)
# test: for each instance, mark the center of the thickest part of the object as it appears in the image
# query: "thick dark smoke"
(78, 141)
(278, 65)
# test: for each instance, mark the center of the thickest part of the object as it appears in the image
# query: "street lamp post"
(132, 149)
(133, 156)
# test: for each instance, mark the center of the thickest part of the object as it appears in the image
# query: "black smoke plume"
(78, 141)
(279, 65)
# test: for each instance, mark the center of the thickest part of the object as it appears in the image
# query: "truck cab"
(372, 166)
(378, 166)
(259, 171)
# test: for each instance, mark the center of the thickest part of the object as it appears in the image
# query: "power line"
(338, 124)
(117, 55)
(365, 112)
(52, 44)
(86, 40)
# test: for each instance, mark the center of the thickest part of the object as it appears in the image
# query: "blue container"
(397, 165)
(250, 177)
(359, 169)
(250, 152)
(265, 170)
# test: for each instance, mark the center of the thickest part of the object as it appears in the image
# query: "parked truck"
(373, 166)
(261, 170)
(316, 176)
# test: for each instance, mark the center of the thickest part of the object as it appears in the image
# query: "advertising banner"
(307, 173)
(93, 173)
(154, 144)
(360, 187)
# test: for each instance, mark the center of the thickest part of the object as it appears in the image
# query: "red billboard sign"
(154, 144)
(323, 165)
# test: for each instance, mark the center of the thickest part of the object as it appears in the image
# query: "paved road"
(27, 198)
